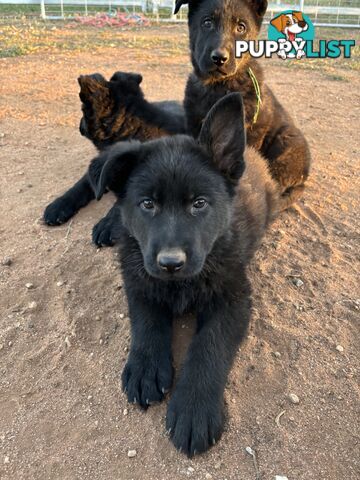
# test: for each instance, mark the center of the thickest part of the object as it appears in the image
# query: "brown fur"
(273, 133)
(116, 110)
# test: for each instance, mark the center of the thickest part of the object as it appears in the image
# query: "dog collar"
(258, 94)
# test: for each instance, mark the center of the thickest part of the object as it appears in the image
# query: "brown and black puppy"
(116, 110)
(113, 111)
(214, 26)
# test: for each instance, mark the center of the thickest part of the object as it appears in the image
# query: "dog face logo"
(291, 26)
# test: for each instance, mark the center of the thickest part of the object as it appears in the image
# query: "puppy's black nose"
(219, 57)
(171, 260)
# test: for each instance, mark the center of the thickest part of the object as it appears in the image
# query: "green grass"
(9, 10)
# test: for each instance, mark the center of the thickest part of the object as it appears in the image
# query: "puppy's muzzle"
(220, 57)
(171, 260)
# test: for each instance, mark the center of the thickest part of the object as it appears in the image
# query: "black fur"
(214, 25)
(114, 110)
(190, 216)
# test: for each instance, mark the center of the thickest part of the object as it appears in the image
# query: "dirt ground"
(64, 331)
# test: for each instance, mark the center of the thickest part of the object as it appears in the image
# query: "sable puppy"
(117, 110)
(214, 26)
(113, 110)
(189, 218)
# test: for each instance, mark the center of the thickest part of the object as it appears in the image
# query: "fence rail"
(331, 13)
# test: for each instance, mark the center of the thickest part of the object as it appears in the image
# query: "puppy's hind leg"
(289, 160)
(63, 208)
(290, 196)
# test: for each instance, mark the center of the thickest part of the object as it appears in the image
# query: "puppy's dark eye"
(241, 28)
(208, 23)
(147, 204)
(199, 203)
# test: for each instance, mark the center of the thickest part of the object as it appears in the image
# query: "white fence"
(332, 13)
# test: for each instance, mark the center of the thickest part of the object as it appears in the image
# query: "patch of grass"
(18, 10)
(29, 36)
(336, 77)
(14, 51)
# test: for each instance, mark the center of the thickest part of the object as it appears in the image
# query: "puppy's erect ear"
(111, 169)
(94, 89)
(223, 136)
(127, 76)
(259, 6)
(89, 84)
(179, 4)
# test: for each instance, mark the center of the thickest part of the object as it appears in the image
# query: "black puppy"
(113, 111)
(191, 215)
(214, 26)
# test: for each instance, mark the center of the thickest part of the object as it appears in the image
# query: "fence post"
(42, 7)
(302, 5)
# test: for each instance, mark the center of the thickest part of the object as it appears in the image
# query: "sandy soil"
(64, 340)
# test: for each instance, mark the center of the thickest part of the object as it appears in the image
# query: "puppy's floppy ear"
(279, 22)
(179, 4)
(129, 76)
(223, 136)
(111, 169)
(298, 15)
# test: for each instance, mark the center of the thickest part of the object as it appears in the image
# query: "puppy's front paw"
(146, 379)
(59, 211)
(194, 422)
(102, 233)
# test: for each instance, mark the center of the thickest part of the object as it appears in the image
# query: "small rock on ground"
(298, 282)
(7, 261)
(32, 305)
(131, 453)
(294, 398)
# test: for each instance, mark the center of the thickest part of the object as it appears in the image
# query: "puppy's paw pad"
(194, 425)
(59, 212)
(145, 380)
(102, 233)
